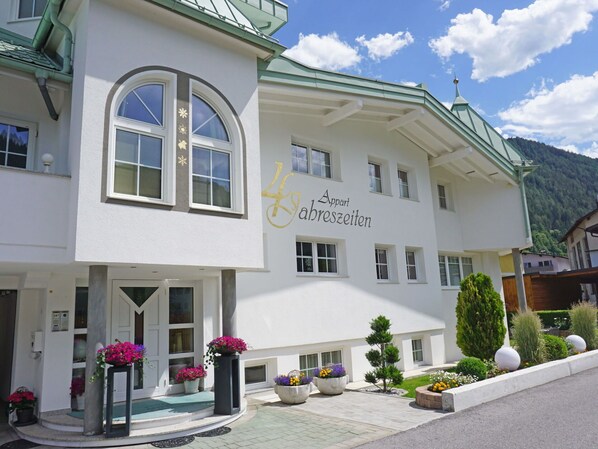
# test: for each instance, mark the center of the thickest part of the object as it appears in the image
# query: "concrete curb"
(461, 398)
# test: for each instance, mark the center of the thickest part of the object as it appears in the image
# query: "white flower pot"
(331, 385)
(293, 395)
(191, 386)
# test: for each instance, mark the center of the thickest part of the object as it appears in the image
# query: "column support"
(229, 303)
(93, 416)
(518, 262)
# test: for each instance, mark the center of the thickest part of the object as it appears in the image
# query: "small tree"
(480, 317)
(383, 355)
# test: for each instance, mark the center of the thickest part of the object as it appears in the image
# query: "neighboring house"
(582, 246)
(544, 263)
(167, 173)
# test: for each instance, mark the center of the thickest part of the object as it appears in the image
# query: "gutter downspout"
(42, 78)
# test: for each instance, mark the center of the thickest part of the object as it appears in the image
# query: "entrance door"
(140, 315)
(8, 313)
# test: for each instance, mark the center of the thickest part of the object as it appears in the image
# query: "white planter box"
(331, 385)
(293, 395)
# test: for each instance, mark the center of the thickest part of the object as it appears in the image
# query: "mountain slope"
(562, 189)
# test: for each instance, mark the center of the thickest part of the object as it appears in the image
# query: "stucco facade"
(401, 194)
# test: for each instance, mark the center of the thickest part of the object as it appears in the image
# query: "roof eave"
(264, 43)
(32, 68)
(322, 79)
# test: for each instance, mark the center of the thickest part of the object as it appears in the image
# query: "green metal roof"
(482, 136)
(268, 15)
(472, 119)
(17, 53)
(224, 16)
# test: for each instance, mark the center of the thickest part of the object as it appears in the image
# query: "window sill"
(33, 172)
(219, 210)
(382, 282)
(321, 276)
(416, 282)
(140, 200)
(311, 175)
(381, 193)
(25, 19)
(413, 200)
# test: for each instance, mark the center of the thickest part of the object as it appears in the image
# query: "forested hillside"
(562, 189)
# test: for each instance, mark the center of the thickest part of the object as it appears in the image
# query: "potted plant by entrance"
(190, 377)
(223, 352)
(331, 380)
(22, 402)
(293, 388)
(118, 354)
(77, 390)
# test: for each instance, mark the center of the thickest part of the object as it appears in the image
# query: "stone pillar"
(93, 417)
(229, 303)
(518, 262)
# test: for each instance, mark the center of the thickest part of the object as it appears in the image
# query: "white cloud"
(385, 45)
(566, 113)
(516, 40)
(444, 4)
(327, 52)
(590, 151)
(409, 83)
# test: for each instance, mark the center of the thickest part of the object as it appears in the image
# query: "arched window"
(216, 155)
(140, 165)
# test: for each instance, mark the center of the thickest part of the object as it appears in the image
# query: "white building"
(192, 161)
(582, 246)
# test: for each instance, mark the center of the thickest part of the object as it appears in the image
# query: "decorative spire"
(456, 83)
(458, 98)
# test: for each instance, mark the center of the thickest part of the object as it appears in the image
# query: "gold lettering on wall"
(280, 214)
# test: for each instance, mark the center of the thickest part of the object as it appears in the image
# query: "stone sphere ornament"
(579, 344)
(507, 358)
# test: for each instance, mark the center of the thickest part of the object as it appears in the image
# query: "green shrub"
(472, 366)
(555, 347)
(583, 322)
(554, 318)
(527, 330)
(480, 317)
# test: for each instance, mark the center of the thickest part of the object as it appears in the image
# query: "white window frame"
(419, 265)
(379, 264)
(444, 267)
(340, 260)
(256, 385)
(309, 371)
(391, 259)
(16, 4)
(32, 127)
(233, 148)
(166, 133)
(411, 183)
(443, 200)
(375, 178)
(310, 165)
(415, 350)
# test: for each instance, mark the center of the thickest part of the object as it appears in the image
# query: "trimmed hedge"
(555, 348)
(472, 366)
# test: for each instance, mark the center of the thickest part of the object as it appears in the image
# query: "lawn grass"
(413, 382)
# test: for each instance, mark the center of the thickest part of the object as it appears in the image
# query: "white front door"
(140, 315)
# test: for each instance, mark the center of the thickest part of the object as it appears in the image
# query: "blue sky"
(529, 67)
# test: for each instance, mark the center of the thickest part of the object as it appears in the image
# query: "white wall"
(177, 238)
(33, 217)
(282, 308)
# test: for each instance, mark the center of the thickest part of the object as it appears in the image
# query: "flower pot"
(331, 385)
(191, 386)
(293, 395)
(25, 416)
